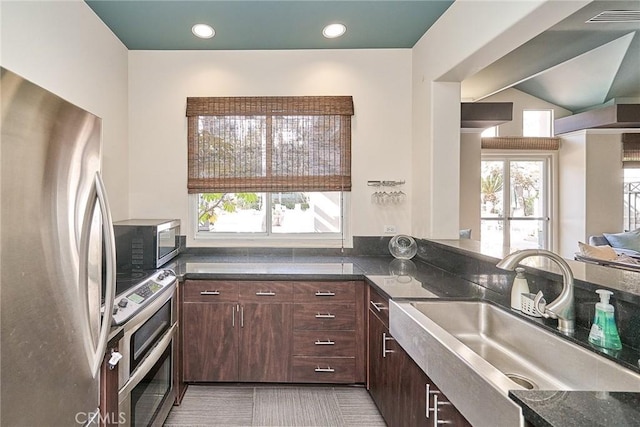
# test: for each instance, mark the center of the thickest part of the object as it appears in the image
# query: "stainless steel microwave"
(145, 244)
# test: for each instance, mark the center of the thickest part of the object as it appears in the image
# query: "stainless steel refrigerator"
(56, 235)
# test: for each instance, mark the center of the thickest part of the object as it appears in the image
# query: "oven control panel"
(134, 299)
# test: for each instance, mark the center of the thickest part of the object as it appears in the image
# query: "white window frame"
(267, 239)
(550, 202)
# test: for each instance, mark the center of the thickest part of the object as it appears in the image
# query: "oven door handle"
(149, 361)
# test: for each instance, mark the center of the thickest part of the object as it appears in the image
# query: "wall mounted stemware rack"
(384, 198)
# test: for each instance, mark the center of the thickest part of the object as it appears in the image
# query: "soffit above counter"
(613, 116)
(482, 115)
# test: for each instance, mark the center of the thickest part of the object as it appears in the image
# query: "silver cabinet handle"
(210, 293)
(325, 316)
(327, 342)
(378, 306)
(328, 369)
(385, 338)
(233, 316)
(429, 393)
(436, 405)
(265, 294)
(242, 316)
(325, 294)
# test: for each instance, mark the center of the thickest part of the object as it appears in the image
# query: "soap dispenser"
(520, 286)
(604, 332)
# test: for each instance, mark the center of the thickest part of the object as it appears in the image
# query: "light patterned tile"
(357, 407)
(299, 407)
(265, 405)
(213, 406)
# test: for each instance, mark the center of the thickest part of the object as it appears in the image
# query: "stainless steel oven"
(148, 315)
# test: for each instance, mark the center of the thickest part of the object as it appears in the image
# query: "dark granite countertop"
(579, 408)
(541, 408)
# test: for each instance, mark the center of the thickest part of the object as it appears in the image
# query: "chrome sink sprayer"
(562, 308)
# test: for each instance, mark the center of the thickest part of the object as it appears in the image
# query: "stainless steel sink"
(476, 352)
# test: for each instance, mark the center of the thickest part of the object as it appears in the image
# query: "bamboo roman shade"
(631, 150)
(269, 144)
(521, 143)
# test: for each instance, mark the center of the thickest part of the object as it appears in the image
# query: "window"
(631, 168)
(270, 167)
(537, 123)
(489, 132)
(515, 200)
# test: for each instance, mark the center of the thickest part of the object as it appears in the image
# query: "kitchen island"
(443, 271)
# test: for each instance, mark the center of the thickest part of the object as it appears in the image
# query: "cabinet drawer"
(324, 317)
(323, 370)
(379, 305)
(210, 291)
(324, 343)
(315, 292)
(265, 292)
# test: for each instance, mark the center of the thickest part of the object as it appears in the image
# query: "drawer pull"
(265, 294)
(210, 293)
(385, 338)
(429, 393)
(327, 342)
(378, 306)
(325, 316)
(435, 409)
(328, 369)
(325, 294)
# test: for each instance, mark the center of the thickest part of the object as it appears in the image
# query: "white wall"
(522, 101)
(591, 186)
(469, 36)
(64, 47)
(378, 80)
(470, 171)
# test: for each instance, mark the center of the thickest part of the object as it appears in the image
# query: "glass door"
(515, 201)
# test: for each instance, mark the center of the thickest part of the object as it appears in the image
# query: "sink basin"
(473, 348)
(527, 354)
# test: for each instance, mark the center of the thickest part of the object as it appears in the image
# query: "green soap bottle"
(604, 332)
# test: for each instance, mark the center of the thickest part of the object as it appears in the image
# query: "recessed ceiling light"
(332, 31)
(203, 31)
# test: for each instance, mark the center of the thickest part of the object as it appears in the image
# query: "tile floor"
(274, 406)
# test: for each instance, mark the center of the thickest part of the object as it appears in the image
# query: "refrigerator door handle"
(95, 352)
(110, 258)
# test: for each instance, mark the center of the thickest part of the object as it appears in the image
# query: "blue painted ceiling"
(268, 24)
(574, 64)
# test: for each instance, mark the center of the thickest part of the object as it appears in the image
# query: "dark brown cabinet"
(404, 394)
(271, 331)
(236, 331)
(328, 332)
(109, 413)
(265, 342)
(210, 342)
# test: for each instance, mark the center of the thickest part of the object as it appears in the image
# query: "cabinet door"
(384, 371)
(109, 415)
(265, 343)
(415, 385)
(445, 413)
(210, 342)
(418, 397)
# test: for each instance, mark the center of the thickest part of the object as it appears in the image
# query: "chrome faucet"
(562, 308)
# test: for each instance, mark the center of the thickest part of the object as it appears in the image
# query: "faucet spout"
(562, 307)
